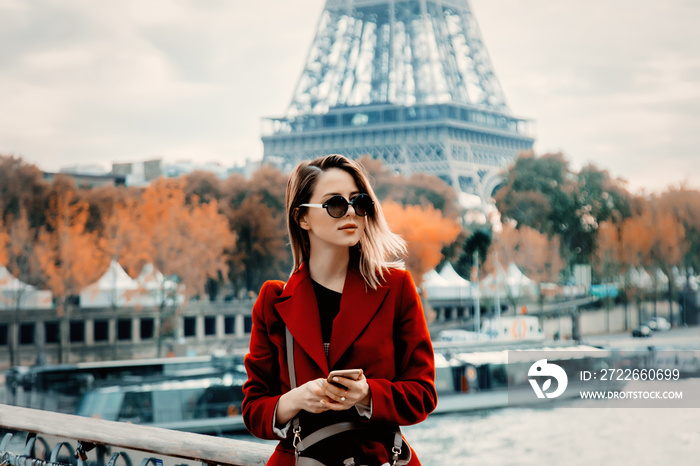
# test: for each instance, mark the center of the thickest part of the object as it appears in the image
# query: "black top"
(328, 308)
(334, 450)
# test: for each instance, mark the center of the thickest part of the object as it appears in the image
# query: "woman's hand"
(308, 397)
(339, 399)
(317, 396)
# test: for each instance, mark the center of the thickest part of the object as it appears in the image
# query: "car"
(642, 331)
(658, 324)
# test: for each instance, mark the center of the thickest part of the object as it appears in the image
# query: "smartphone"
(353, 374)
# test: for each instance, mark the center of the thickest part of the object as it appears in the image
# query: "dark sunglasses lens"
(362, 204)
(337, 206)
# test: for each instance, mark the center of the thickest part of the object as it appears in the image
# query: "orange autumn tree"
(209, 236)
(69, 255)
(256, 213)
(667, 250)
(536, 255)
(21, 261)
(607, 261)
(21, 257)
(653, 239)
(124, 239)
(185, 242)
(684, 203)
(4, 240)
(260, 250)
(425, 230)
(635, 244)
(504, 248)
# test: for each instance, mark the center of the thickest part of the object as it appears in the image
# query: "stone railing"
(85, 441)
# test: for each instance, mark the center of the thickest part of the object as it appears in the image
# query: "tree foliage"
(607, 263)
(21, 258)
(425, 230)
(22, 187)
(4, 241)
(543, 193)
(533, 252)
(255, 212)
(208, 231)
(476, 246)
(69, 255)
(418, 189)
(184, 240)
(683, 204)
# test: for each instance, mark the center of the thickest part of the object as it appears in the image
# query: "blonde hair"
(379, 248)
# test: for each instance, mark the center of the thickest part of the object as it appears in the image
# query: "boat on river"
(205, 405)
(490, 369)
(498, 376)
(195, 394)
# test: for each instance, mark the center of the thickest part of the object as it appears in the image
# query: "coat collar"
(299, 311)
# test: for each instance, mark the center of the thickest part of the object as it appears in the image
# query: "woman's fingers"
(348, 395)
(319, 395)
(314, 399)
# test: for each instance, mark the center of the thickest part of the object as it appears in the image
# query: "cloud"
(614, 83)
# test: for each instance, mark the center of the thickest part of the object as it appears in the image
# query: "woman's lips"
(349, 226)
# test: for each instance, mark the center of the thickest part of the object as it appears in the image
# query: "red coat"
(381, 331)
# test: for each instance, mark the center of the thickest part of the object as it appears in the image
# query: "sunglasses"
(337, 206)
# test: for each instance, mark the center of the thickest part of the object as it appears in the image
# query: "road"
(683, 337)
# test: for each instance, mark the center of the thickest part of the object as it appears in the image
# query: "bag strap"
(296, 428)
(335, 429)
(290, 359)
(326, 432)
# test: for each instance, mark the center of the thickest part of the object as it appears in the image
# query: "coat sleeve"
(262, 389)
(411, 396)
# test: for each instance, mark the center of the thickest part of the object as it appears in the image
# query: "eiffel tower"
(409, 82)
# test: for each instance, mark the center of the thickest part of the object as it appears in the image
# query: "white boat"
(484, 378)
(195, 394)
(210, 405)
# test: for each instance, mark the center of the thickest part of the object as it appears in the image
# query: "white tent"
(114, 288)
(640, 278)
(515, 277)
(511, 282)
(434, 285)
(453, 278)
(447, 284)
(14, 292)
(433, 278)
(155, 288)
(661, 280)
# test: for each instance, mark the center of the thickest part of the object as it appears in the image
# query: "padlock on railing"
(83, 449)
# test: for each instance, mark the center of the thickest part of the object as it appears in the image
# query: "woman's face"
(324, 230)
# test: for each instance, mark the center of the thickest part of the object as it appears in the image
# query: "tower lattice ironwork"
(409, 82)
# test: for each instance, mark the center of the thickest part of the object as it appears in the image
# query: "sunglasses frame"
(349, 203)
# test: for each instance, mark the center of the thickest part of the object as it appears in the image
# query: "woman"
(347, 305)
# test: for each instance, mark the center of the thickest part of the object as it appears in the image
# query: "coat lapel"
(358, 305)
(299, 311)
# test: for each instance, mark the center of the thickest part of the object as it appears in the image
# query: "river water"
(570, 433)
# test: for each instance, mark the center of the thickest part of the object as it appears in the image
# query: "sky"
(613, 83)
